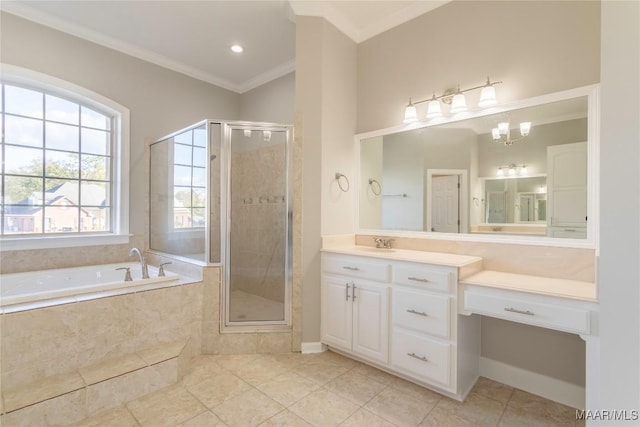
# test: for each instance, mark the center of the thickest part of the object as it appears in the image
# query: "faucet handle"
(161, 271)
(378, 241)
(127, 275)
(387, 243)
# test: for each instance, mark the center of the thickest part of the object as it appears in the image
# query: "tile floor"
(322, 389)
(244, 307)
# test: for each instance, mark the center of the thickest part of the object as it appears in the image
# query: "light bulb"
(487, 97)
(512, 171)
(247, 133)
(495, 132)
(458, 104)
(500, 172)
(266, 134)
(523, 170)
(503, 128)
(410, 114)
(236, 48)
(433, 110)
(525, 128)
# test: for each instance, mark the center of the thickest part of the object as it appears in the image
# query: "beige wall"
(534, 47)
(325, 118)
(618, 269)
(272, 102)
(160, 101)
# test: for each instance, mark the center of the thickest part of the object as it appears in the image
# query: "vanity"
(484, 228)
(416, 314)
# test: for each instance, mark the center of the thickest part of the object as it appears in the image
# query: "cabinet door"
(371, 321)
(336, 312)
(567, 185)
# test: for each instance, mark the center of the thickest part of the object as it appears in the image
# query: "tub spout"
(143, 262)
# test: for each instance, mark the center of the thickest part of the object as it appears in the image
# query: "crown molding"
(330, 13)
(266, 77)
(29, 13)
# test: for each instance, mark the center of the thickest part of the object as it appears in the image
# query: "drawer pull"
(347, 267)
(515, 310)
(346, 291)
(353, 290)
(415, 356)
(419, 313)
(418, 279)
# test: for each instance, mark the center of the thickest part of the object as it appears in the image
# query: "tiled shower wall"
(258, 212)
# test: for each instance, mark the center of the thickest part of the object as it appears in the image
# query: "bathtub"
(20, 288)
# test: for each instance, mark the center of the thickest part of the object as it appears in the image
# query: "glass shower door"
(258, 226)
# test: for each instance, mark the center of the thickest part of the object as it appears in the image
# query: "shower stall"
(220, 194)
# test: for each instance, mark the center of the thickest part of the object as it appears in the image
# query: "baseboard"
(532, 382)
(312, 347)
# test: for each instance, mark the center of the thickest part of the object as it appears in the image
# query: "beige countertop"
(574, 289)
(450, 260)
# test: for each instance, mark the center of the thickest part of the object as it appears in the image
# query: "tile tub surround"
(322, 389)
(55, 340)
(46, 259)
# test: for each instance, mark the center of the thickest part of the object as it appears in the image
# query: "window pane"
(18, 130)
(22, 191)
(22, 220)
(198, 217)
(61, 165)
(200, 137)
(182, 175)
(93, 119)
(61, 110)
(94, 194)
(24, 102)
(61, 192)
(182, 154)
(182, 197)
(95, 219)
(61, 137)
(181, 218)
(183, 138)
(199, 156)
(95, 167)
(199, 177)
(61, 218)
(199, 198)
(95, 141)
(23, 161)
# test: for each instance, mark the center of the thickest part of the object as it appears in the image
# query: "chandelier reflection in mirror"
(502, 133)
(453, 97)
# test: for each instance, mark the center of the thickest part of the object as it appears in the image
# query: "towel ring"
(340, 175)
(373, 183)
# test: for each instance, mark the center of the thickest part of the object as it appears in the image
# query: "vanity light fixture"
(236, 48)
(453, 97)
(502, 133)
(512, 170)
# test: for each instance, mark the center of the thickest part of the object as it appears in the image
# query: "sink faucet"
(382, 243)
(143, 262)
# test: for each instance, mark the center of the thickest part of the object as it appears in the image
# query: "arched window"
(63, 169)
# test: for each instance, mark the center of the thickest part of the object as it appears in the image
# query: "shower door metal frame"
(226, 325)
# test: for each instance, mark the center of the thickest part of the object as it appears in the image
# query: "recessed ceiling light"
(236, 48)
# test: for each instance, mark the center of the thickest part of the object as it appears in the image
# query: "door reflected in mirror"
(469, 176)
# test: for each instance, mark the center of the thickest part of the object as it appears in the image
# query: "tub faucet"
(143, 262)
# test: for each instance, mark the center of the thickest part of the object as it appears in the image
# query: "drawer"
(425, 313)
(552, 316)
(425, 277)
(423, 358)
(355, 267)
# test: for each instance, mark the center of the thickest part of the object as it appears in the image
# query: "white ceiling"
(193, 37)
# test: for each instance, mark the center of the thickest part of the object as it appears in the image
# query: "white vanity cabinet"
(401, 317)
(355, 306)
(423, 319)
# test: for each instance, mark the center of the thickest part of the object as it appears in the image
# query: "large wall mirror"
(519, 172)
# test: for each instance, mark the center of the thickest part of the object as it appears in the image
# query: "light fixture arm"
(448, 94)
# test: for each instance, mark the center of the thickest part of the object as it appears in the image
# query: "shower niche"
(220, 195)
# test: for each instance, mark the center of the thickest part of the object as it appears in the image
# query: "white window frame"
(119, 234)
